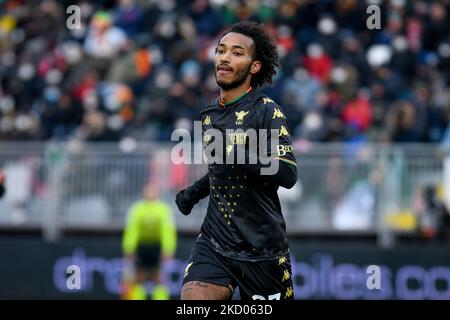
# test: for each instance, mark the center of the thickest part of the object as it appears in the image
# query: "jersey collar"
(223, 105)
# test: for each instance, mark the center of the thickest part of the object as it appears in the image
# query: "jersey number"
(275, 296)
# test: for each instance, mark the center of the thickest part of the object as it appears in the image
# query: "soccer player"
(149, 238)
(2, 184)
(243, 241)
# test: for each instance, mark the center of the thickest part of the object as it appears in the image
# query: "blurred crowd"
(141, 68)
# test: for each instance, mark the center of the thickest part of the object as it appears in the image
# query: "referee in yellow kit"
(149, 239)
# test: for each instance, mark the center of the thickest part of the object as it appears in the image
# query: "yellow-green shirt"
(150, 222)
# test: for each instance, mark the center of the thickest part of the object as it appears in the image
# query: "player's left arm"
(280, 153)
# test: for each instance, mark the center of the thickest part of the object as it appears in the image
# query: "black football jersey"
(244, 219)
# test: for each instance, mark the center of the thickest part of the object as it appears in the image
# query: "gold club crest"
(240, 116)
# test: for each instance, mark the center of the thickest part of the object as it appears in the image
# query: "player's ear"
(256, 66)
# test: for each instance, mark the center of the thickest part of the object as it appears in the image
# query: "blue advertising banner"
(32, 268)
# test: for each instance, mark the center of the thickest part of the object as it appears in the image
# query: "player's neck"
(229, 96)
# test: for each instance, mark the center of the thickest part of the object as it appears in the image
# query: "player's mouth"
(224, 70)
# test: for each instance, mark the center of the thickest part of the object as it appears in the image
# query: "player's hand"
(184, 203)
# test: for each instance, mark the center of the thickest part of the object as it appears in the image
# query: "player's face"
(233, 60)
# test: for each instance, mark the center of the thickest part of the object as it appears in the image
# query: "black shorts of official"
(262, 280)
(148, 256)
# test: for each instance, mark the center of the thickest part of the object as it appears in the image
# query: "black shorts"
(148, 256)
(262, 280)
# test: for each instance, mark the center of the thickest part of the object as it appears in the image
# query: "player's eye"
(219, 51)
(237, 54)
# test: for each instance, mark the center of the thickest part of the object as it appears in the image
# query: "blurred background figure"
(19, 188)
(149, 241)
(434, 216)
(103, 41)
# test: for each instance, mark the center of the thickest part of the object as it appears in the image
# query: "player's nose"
(225, 58)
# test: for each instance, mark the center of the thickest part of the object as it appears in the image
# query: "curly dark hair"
(265, 50)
